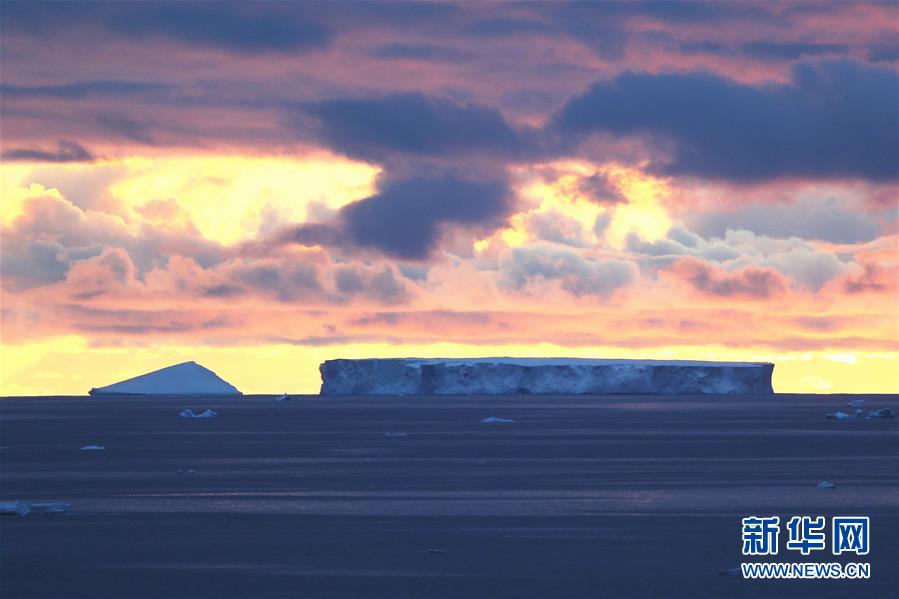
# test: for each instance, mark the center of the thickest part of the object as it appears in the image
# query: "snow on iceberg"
(187, 378)
(540, 376)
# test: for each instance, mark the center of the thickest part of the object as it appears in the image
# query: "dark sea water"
(618, 496)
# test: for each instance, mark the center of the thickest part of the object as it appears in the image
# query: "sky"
(263, 186)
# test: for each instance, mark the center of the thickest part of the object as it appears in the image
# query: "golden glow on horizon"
(70, 366)
(226, 197)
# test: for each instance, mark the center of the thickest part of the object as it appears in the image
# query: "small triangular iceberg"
(187, 378)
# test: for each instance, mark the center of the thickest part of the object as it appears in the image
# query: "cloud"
(82, 89)
(872, 279)
(793, 257)
(834, 119)
(410, 124)
(791, 50)
(66, 151)
(422, 52)
(749, 282)
(405, 219)
(601, 189)
(529, 267)
(383, 286)
(826, 219)
(111, 271)
(231, 26)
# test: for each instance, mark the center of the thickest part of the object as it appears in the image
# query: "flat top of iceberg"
(187, 378)
(566, 362)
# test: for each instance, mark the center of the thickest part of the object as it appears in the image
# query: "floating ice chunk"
(15, 508)
(838, 416)
(881, 413)
(826, 484)
(188, 471)
(436, 551)
(188, 413)
(283, 397)
(396, 434)
(93, 448)
(496, 420)
(23, 508)
(855, 403)
(50, 507)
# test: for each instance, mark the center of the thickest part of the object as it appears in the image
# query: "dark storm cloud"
(836, 119)
(412, 124)
(66, 151)
(405, 218)
(232, 26)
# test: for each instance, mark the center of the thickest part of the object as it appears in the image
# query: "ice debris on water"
(396, 434)
(283, 397)
(859, 413)
(826, 484)
(496, 420)
(838, 416)
(188, 413)
(881, 413)
(93, 448)
(855, 403)
(436, 551)
(23, 508)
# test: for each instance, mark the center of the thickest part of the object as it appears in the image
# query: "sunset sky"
(259, 187)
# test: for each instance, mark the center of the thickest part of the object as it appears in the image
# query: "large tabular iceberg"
(187, 378)
(540, 376)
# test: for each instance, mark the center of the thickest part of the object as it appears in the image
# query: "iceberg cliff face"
(541, 376)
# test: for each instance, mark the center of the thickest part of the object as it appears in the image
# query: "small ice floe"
(396, 435)
(14, 508)
(23, 508)
(882, 413)
(93, 448)
(436, 551)
(858, 414)
(838, 416)
(826, 484)
(283, 397)
(188, 413)
(855, 403)
(186, 471)
(496, 420)
(730, 572)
